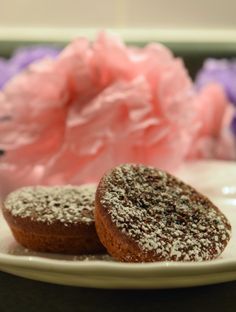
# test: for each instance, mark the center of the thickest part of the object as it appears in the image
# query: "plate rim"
(102, 266)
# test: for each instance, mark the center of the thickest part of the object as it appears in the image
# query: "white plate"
(217, 179)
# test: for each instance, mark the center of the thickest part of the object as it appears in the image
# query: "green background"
(193, 53)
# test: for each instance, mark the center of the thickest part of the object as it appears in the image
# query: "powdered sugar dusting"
(67, 204)
(164, 215)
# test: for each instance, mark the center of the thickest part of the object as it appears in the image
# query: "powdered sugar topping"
(163, 215)
(67, 204)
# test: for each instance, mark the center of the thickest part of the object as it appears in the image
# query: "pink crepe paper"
(100, 104)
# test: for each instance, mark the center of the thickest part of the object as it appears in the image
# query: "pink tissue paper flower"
(99, 104)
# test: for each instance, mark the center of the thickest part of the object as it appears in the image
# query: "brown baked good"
(54, 219)
(144, 214)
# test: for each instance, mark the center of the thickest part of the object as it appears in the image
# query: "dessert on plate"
(56, 219)
(144, 214)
